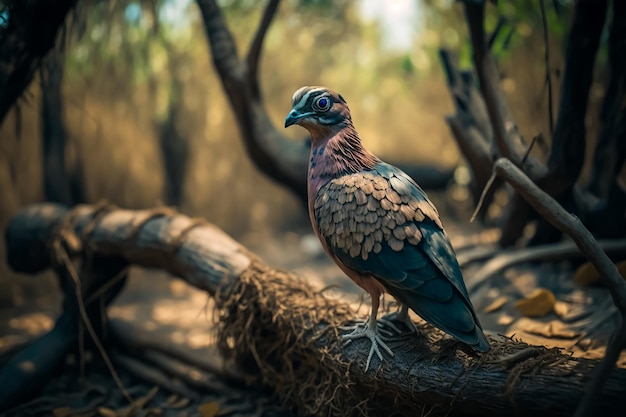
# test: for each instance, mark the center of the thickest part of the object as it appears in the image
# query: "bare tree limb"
(508, 140)
(470, 125)
(422, 375)
(568, 141)
(611, 148)
(554, 213)
(254, 52)
(282, 159)
(546, 43)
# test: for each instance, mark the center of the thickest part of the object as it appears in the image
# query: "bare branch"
(556, 215)
(470, 125)
(508, 140)
(611, 148)
(568, 141)
(281, 159)
(546, 42)
(254, 52)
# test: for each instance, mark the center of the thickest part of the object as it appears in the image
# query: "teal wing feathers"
(380, 222)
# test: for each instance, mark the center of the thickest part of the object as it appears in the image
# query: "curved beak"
(293, 117)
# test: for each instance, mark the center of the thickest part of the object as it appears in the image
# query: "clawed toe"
(372, 333)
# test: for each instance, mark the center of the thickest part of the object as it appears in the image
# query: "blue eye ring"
(322, 103)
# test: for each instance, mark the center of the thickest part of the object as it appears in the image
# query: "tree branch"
(556, 215)
(254, 52)
(294, 348)
(568, 141)
(611, 148)
(546, 43)
(470, 125)
(508, 140)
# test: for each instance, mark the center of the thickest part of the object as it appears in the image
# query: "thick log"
(285, 338)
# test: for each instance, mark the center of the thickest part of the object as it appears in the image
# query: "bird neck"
(337, 151)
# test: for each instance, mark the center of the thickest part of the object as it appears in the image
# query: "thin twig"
(490, 181)
(530, 148)
(87, 322)
(546, 42)
(496, 32)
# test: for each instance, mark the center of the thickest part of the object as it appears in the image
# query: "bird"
(379, 227)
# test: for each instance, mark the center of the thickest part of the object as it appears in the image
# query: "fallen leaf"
(107, 412)
(505, 319)
(209, 409)
(496, 304)
(551, 329)
(587, 274)
(62, 412)
(537, 304)
(561, 308)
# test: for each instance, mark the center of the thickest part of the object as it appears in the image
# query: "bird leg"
(369, 330)
(401, 316)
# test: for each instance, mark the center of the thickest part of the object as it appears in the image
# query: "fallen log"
(285, 335)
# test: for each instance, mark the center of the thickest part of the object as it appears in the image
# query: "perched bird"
(379, 227)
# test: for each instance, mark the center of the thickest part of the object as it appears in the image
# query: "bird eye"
(322, 103)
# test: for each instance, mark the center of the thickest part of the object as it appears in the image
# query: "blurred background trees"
(128, 107)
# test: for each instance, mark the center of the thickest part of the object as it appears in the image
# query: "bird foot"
(372, 332)
(399, 317)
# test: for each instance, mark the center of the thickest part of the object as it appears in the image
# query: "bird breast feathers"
(359, 213)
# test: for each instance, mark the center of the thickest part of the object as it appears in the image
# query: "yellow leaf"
(496, 304)
(586, 275)
(561, 308)
(106, 412)
(538, 304)
(209, 409)
(62, 412)
(551, 329)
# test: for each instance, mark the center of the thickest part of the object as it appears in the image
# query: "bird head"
(318, 108)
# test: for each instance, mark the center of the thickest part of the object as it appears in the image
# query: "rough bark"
(31, 32)
(611, 148)
(470, 124)
(416, 377)
(567, 152)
